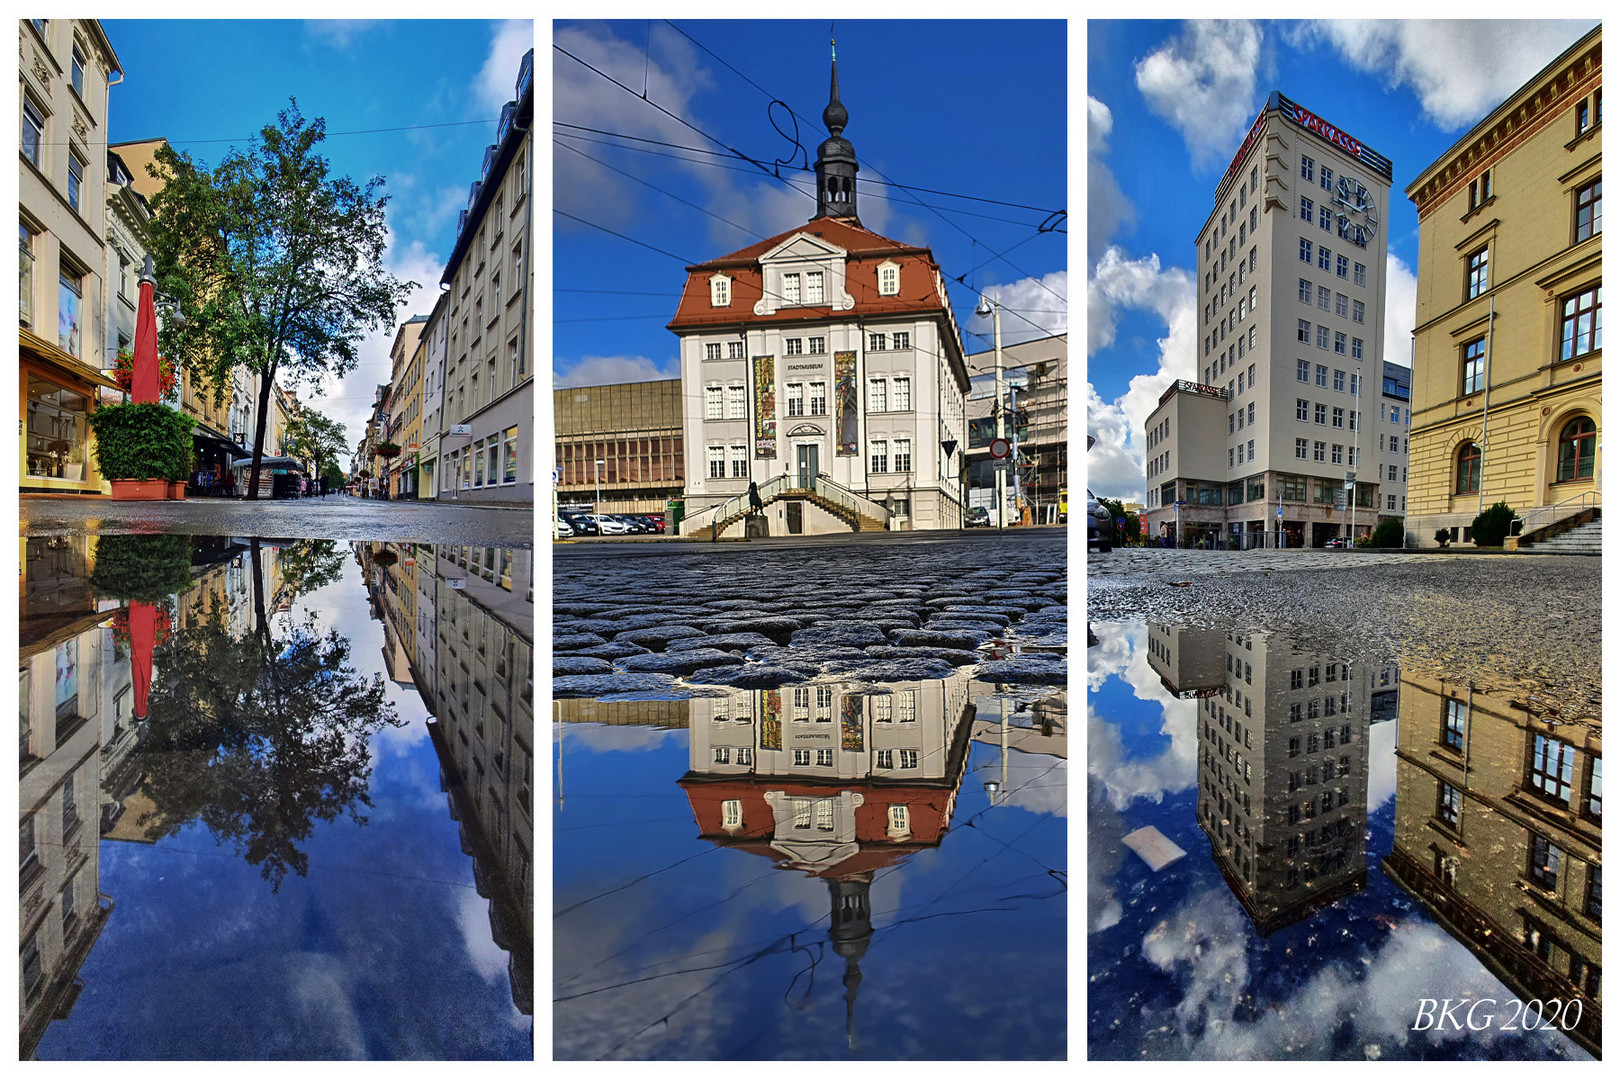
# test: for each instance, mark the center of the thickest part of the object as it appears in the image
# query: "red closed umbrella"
(143, 385)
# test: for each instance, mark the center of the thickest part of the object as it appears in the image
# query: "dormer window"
(719, 291)
(812, 287)
(790, 288)
(888, 279)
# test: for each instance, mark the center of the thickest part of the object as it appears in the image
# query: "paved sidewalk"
(1193, 561)
(336, 517)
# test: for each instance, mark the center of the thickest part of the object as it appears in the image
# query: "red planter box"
(177, 489)
(140, 489)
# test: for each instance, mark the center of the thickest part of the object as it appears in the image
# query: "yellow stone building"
(1508, 374)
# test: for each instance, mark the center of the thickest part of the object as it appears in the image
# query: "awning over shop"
(287, 463)
(56, 357)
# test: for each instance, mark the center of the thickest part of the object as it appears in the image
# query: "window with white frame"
(818, 346)
(731, 813)
(882, 708)
(795, 346)
(877, 342)
(907, 706)
(885, 759)
(818, 399)
(902, 394)
(880, 455)
(33, 130)
(813, 291)
(902, 339)
(888, 279)
(711, 351)
(734, 350)
(824, 808)
(902, 455)
(717, 463)
(739, 461)
(802, 815)
(790, 288)
(877, 395)
(908, 759)
(719, 291)
(736, 401)
(795, 399)
(713, 403)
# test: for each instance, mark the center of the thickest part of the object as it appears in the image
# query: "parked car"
(657, 520)
(611, 526)
(1099, 524)
(1337, 542)
(652, 526)
(564, 530)
(633, 523)
(582, 523)
(977, 517)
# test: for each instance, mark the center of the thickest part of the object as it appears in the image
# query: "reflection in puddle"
(194, 706)
(1273, 937)
(831, 864)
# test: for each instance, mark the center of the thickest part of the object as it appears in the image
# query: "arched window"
(1468, 469)
(1577, 444)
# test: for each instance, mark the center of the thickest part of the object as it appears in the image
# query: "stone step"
(1582, 540)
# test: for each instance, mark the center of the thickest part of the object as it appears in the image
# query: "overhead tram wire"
(249, 138)
(874, 169)
(663, 191)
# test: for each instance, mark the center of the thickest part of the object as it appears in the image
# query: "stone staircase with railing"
(862, 514)
(1573, 527)
(1586, 539)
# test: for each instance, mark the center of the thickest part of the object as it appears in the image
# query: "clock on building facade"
(1358, 214)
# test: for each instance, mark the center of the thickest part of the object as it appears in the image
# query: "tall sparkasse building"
(1291, 265)
(1510, 310)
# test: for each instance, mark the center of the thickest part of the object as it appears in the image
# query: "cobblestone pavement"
(760, 617)
(336, 517)
(1529, 622)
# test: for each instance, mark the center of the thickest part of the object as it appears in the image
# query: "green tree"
(315, 437)
(276, 264)
(1390, 533)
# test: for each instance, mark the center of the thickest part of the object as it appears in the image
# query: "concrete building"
(1498, 832)
(1282, 763)
(1507, 392)
(487, 450)
(1037, 374)
(436, 337)
(824, 365)
(127, 218)
(1291, 266)
(635, 430)
(65, 71)
(405, 412)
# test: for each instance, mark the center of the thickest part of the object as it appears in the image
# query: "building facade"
(486, 453)
(405, 412)
(1291, 266)
(66, 68)
(635, 430)
(1507, 390)
(1036, 374)
(436, 338)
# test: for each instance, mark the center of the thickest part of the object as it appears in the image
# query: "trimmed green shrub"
(1491, 527)
(1390, 533)
(144, 566)
(1442, 537)
(142, 442)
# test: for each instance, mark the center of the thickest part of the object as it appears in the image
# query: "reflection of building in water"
(1499, 832)
(1027, 727)
(483, 730)
(834, 780)
(655, 714)
(64, 678)
(1282, 764)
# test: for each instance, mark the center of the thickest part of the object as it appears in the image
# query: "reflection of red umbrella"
(142, 635)
(144, 384)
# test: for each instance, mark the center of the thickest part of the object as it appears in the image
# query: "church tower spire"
(835, 159)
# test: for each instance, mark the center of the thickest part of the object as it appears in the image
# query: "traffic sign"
(1000, 448)
(1279, 511)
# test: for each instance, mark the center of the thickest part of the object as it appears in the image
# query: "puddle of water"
(825, 869)
(275, 799)
(1378, 862)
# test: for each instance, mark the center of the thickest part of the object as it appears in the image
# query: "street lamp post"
(596, 507)
(990, 307)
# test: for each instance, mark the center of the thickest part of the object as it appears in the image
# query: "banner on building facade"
(765, 407)
(770, 721)
(851, 729)
(848, 418)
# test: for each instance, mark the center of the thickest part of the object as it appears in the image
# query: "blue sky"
(941, 105)
(1168, 104)
(197, 81)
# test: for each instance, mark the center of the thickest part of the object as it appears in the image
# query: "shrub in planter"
(142, 442)
(1390, 533)
(1491, 527)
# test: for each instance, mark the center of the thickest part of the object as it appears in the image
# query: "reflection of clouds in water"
(1380, 764)
(402, 741)
(1038, 783)
(601, 738)
(488, 959)
(1176, 767)
(1204, 943)
(1112, 654)
(317, 986)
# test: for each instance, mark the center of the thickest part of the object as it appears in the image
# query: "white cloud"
(1400, 311)
(339, 32)
(1459, 69)
(1122, 654)
(607, 370)
(1116, 465)
(497, 80)
(1203, 82)
(1030, 309)
(1107, 208)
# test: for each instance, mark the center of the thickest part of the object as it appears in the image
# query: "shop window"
(58, 420)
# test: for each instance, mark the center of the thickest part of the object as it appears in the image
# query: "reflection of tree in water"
(263, 735)
(310, 565)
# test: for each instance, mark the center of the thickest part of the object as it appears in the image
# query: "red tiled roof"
(866, 250)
